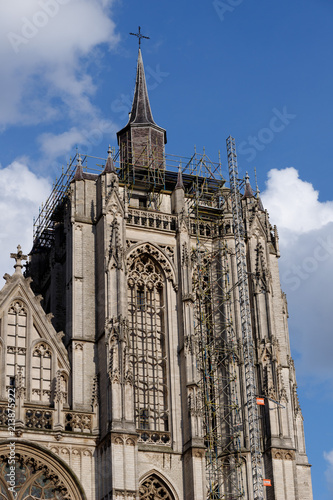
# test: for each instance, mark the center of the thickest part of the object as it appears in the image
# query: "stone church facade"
(105, 340)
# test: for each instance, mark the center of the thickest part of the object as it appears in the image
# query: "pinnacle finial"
(109, 165)
(18, 259)
(257, 187)
(248, 193)
(180, 184)
(79, 170)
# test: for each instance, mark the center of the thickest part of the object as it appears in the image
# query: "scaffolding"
(245, 312)
(156, 178)
(214, 335)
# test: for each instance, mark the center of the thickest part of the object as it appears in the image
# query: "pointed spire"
(180, 184)
(260, 205)
(248, 193)
(79, 170)
(141, 112)
(109, 165)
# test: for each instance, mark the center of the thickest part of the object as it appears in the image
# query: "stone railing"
(154, 437)
(78, 422)
(46, 419)
(155, 220)
(39, 419)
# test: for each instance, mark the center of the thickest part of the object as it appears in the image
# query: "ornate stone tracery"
(153, 488)
(158, 255)
(38, 475)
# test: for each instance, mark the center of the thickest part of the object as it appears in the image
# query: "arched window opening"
(16, 343)
(153, 488)
(30, 484)
(41, 373)
(147, 334)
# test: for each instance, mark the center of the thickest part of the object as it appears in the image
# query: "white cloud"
(99, 131)
(46, 48)
(329, 471)
(305, 227)
(22, 192)
(293, 204)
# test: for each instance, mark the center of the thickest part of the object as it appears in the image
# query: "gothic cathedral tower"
(124, 341)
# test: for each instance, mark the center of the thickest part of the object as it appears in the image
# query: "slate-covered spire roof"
(109, 165)
(248, 193)
(141, 112)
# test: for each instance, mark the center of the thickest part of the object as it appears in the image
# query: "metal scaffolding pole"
(214, 336)
(247, 338)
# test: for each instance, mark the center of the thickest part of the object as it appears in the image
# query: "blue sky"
(260, 71)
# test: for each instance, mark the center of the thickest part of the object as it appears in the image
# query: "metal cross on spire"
(139, 35)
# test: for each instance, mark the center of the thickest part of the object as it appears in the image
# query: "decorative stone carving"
(194, 401)
(281, 454)
(119, 365)
(17, 307)
(116, 251)
(158, 255)
(78, 422)
(157, 438)
(20, 389)
(95, 392)
(262, 275)
(183, 222)
(154, 487)
(116, 439)
(169, 251)
(39, 419)
(297, 406)
(269, 355)
(185, 255)
(60, 393)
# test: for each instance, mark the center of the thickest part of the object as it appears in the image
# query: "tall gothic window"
(147, 333)
(16, 342)
(41, 373)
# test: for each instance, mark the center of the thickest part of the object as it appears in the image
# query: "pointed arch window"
(154, 488)
(32, 483)
(16, 342)
(41, 373)
(148, 345)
